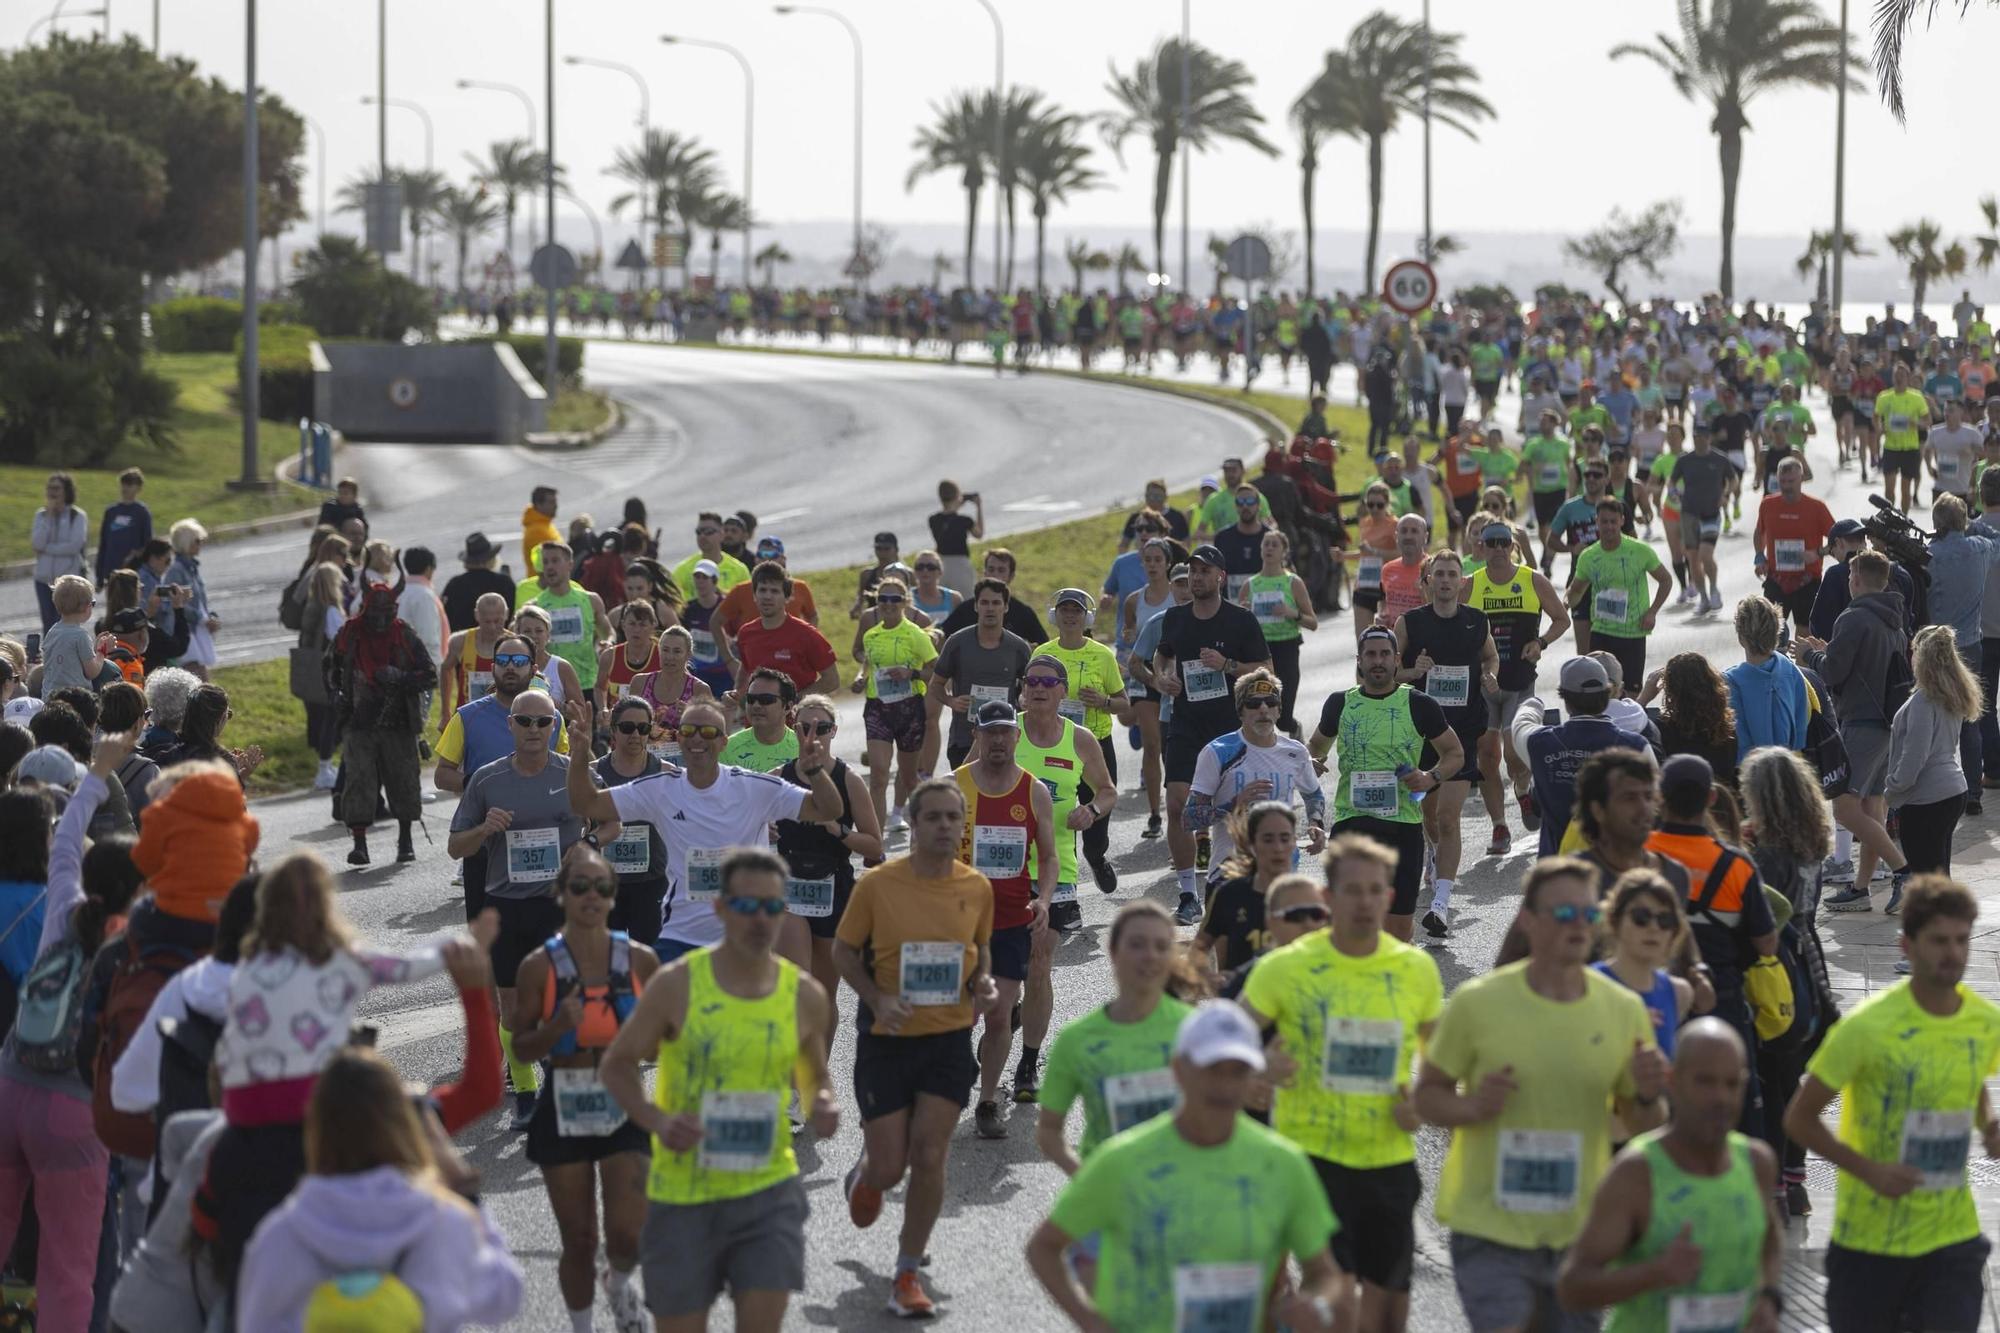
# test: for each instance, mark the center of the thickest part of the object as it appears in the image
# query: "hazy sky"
(1575, 134)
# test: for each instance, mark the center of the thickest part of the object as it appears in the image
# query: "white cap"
(1219, 1030)
(52, 766)
(19, 710)
(708, 567)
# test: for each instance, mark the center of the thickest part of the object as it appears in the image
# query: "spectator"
(1767, 694)
(186, 538)
(344, 506)
(952, 531)
(126, 528)
(15, 742)
(167, 695)
(1960, 564)
(122, 708)
(24, 876)
(1694, 715)
(419, 606)
(538, 525)
(1926, 785)
(1987, 525)
(461, 595)
(322, 621)
(207, 713)
(60, 534)
(72, 656)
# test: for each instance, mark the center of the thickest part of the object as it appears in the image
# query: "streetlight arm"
(853, 35)
(749, 127)
(645, 93)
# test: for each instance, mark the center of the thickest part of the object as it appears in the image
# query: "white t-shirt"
(698, 824)
(1954, 450)
(1230, 763)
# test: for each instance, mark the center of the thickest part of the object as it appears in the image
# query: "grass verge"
(579, 409)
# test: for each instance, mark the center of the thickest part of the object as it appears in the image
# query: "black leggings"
(1381, 424)
(1927, 831)
(1097, 838)
(1285, 664)
(322, 729)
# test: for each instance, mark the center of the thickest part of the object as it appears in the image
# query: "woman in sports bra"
(668, 689)
(570, 996)
(637, 629)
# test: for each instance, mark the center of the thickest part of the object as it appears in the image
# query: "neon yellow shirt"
(903, 646)
(1352, 1025)
(730, 572)
(1091, 665)
(1900, 415)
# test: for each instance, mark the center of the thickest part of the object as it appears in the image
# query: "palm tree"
(1080, 257)
(464, 214)
(1732, 52)
(513, 168)
(1052, 163)
(666, 172)
(1893, 19)
(422, 191)
(1370, 84)
(1020, 118)
(1318, 112)
(960, 140)
(1916, 244)
(1989, 244)
(1818, 255)
(769, 258)
(723, 214)
(1127, 259)
(352, 197)
(941, 264)
(1149, 103)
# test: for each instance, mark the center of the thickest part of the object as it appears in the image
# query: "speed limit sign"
(1409, 286)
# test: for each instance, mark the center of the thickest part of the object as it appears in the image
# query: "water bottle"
(1416, 797)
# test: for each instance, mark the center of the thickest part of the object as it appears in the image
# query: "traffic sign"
(552, 266)
(1248, 258)
(666, 250)
(631, 257)
(1409, 287)
(858, 266)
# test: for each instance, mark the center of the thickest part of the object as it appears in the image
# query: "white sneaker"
(627, 1316)
(1687, 595)
(326, 777)
(897, 824)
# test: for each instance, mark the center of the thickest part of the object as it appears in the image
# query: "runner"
(768, 740)
(1545, 463)
(1157, 558)
(1904, 416)
(636, 626)
(1351, 1007)
(732, 1027)
(1283, 607)
(637, 856)
(1949, 451)
(1611, 576)
(1251, 764)
(668, 689)
(553, 674)
(1681, 1232)
(1010, 837)
(1782, 431)
(1909, 1065)
(573, 994)
(1196, 1212)
(728, 571)
(1266, 838)
(999, 565)
(1095, 701)
(914, 945)
(1791, 537)
(1402, 578)
(1513, 598)
(1575, 524)
(780, 639)
(976, 665)
(468, 657)
(578, 625)
(1700, 484)
(1375, 543)
(1539, 1047)
(893, 667)
(1382, 730)
(712, 652)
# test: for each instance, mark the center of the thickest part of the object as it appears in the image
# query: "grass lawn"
(186, 481)
(578, 409)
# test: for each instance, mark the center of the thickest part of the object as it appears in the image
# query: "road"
(826, 453)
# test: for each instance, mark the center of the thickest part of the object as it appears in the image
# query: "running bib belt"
(583, 1108)
(533, 855)
(1537, 1170)
(933, 972)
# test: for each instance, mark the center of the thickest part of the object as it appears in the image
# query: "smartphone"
(33, 643)
(1552, 717)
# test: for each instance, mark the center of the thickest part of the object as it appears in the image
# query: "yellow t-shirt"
(1909, 1084)
(1091, 665)
(1525, 1177)
(729, 572)
(903, 646)
(1898, 413)
(1351, 1024)
(923, 936)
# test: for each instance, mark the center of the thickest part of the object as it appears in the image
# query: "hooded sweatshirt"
(1923, 754)
(1855, 662)
(447, 1253)
(536, 528)
(195, 844)
(1770, 703)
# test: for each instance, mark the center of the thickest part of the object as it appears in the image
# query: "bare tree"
(1624, 242)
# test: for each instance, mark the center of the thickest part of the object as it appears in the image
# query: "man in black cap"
(1204, 645)
(130, 630)
(461, 595)
(1849, 537)
(886, 548)
(1555, 751)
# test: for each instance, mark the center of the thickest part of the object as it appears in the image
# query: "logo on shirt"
(679, 815)
(1017, 812)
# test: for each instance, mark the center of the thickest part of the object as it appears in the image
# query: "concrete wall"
(447, 392)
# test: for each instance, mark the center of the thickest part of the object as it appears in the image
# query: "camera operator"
(1961, 560)
(1849, 537)
(1988, 525)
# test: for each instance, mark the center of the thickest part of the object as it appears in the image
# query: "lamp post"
(853, 35)
(527, 105)
(596, 225)
(999, 134)
(749, 129)
(549, 188)
(319, 136)
(430, 130)
(645, 129)
(1839, 170)
(249, 395)
(1187, 158)
(57, 15)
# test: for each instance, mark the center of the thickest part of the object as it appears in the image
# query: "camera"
(1900, 539)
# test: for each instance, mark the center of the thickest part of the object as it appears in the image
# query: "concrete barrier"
(458, 393)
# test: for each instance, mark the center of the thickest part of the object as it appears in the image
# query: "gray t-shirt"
(972, 668)
(1953, 448)
(1700, 478)
(521, 862)
(66, 648)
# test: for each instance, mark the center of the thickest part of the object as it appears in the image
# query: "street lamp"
(749, 129)
(549, 358)
(430, 130)
(645, 130)
(319, 134)
(249, 389)
(50, 19)
(853, 35)
(527, 105)
(999, 132)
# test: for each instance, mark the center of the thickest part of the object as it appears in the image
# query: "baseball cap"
(995, 713)
(1580, 675)
(1076, 595)
(885, 539)
(129, 621)
(707, 567)
(1219, 1030)
(1178, 572)
(20, 710)
(1686, 772)
(1849, 527)
(1210, 484)
(769, 546)
(1208, 554)
(51, 765)
(1496, 531)
(477, 547)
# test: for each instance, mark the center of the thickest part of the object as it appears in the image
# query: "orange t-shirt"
(1792, 530)
(737, 605)
(1400, 592)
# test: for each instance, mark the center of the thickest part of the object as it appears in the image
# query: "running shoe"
(897, 824)
(1973, 808)
(1503, 841)
(1531, 814)
(986, 1120)
(1189, 911)
(1027, 1085)
(1837, 872)
(1894, 906)
(907, 1299)
(1797, 1202)
(1687, 595)
(1066, 917)
(1153, 826)
(1853, 898)
(1104, 873)
(627, 1314)
(864, 1201)
(1434, 925)
(1902, 967)
(524, 1112)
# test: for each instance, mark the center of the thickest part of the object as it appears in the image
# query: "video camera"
(1900, 539)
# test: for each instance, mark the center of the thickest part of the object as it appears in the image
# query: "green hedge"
(533, 351)
(284, 371)
(196, 324)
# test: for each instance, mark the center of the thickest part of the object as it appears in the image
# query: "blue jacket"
(1770, 704)
(1959, 563)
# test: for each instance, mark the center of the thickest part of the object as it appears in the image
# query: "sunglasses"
(1044, 682)
(1246, 503)
(632, 728)
(763, 697)
(889, 598)
(752, 906)
(1263, 701)
(1303, 912)
(512, 660)
(1568, 914)
(816, 728)
(536, 720)
(1499, 543)
(708, 532)
(708, 731)
(930, 569)
(1377, 504)
(603, 888)
(1642, 917)
(1595, 476)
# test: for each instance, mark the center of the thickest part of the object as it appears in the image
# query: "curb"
(571, 441)
(1266, 421)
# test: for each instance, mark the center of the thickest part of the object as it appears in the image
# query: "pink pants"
(47, 1137)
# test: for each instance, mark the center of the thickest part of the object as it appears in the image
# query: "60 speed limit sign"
(1409, 287)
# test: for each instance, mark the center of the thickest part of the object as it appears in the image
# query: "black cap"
(885, 539)
(477, 548)
(1849, 527)
(1688, 772)
(1208, 554)
(129, 621)
(995, 713)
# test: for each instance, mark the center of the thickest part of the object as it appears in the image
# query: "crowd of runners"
(673, 863)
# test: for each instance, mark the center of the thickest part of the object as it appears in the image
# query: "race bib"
(1072, 709)
(1217, 1298)
(1791, 555)
(738, 1130)
(1937, 1143)
(1947, 465)
(810, 897)
(632, 854)
(999, 851)
(1266, 606)
(1203, 682)
(1898, 421)
(1361, 1055)
(566, 624)
(1375, 792)
(533, 855)
(1133, 1099)
(1466, 465)
(584, 1110)
(1369, 575)
(932, 972)
(1549, 477)
(1610, 604)
(667, 752)
(1536, 1170)
(890, 690)
(478, 684)
(704, 646)
(987, 694)
(704, 874)
(1451, 686)
(1721, 1312)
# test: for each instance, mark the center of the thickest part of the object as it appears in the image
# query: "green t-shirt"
(1191, 1237)
(1218, 511)
(1120, 1070)
(1793, 365)
(1909, 1084)
(1485, 359)
(1547, 457)
(883, 648)
(1496, 466)
(744, 750)
(1620, 585)
(1787, 422)
(1351, 1024)
(1581, 418)
(1899, 414)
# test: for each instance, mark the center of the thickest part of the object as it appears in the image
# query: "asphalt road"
(826, 453)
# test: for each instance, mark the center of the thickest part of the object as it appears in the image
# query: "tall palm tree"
(941, 264)
(666, 172)
(1126, 260)
(464, 214)
(1818, 255)
(1021, 114)
(769, 258)
(1989, 244)
(724, 214)
(1319, 111)
(512, 168)
(1149, 103)
(1051, 162)
(1081, 258)
(1377, 78)
(960, 139)
(1729, 51)
(1916, 244)
(422, 191)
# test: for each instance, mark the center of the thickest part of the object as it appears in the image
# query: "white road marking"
(784, 514)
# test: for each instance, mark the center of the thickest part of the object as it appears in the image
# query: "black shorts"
(1368, 599)
(1010, 946)
(890, 1072)
(1902, 462)
(1840, 405)
(1377, 1208)
(1798, 602)
(1631, 655)
(1486, 389)
(1468, 725)
(525, 926)
(1939, 1292)
(1181, 752)
(823, 927)
(1466, 505)
(473, 870)
(1407, 841)
(547, 1147)
(1546, 505)
(637, 909)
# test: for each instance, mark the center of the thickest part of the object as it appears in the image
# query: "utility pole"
(549, 188)
(1839, 170)
(1186, 156)
(1427, 131)
(249, 396)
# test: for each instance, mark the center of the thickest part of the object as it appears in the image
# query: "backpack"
(50, 1013)
(622, 993)
(292, 606)
(370, 1301)
(187, 1049)
(137, 979)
